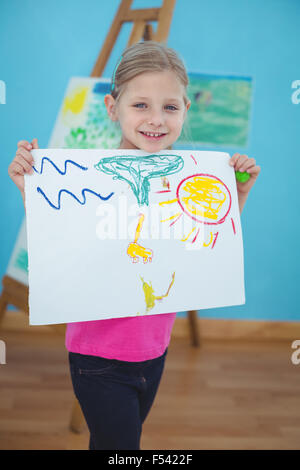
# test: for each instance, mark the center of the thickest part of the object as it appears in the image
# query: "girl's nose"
(156, 119)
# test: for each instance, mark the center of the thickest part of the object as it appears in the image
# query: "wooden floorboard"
(224, 395)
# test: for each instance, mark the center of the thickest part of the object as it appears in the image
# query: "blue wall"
(42, 44)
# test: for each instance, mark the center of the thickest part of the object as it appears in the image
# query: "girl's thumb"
(35, 144)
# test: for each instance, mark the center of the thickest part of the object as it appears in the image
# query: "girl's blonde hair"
(148, 56)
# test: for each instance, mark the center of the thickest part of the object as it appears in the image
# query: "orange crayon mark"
(135, 250)
(165, 182)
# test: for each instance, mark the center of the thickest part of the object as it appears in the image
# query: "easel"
(16, 293)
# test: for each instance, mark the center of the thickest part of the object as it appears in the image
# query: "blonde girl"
(116, 365)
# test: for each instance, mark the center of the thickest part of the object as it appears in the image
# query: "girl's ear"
(188, 105)
(111, 107)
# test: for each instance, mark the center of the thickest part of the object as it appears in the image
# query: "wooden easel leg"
(77, 422)
(193, 322)
(148, 33)
(3, 305)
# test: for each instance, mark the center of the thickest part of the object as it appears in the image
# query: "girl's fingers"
(240, 162)
(237, 160)
(254, 169)
(35, 143)
(17, 169)
(25, 144)
(233, 159)
(24, 163)
(247, 164)
(243, 163)
(25, 154)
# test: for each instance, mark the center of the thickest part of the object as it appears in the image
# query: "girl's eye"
(171, 107)
(139, 105)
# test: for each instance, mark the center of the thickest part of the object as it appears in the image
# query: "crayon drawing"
(136, 251)
(73, 192)
(150, 297)
(138, 171)
(202, 197)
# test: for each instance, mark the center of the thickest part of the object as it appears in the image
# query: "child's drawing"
(63, 172)
(72, 191)
(205, 199)
(138, 171)
(150, 298)
(135, 250)
(81, 201)
(202, 198)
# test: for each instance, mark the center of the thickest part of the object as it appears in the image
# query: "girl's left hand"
(243, 163)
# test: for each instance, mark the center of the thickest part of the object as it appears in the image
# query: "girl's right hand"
(22, 163)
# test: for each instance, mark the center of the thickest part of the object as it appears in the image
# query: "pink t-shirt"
(130, 339)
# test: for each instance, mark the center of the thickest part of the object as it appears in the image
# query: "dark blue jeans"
(115, 397)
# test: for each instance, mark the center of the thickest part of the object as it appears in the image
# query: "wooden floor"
(224, 395)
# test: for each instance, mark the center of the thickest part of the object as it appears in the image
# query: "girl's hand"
(243, 163)
(22, 163)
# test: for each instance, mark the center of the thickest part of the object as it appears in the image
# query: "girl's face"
(151, 111)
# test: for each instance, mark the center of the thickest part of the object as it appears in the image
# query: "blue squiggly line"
(39, 190)
(61, 172)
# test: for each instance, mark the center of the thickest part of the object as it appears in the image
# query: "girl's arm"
(244, 163)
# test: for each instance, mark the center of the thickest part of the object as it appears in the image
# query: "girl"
(116, 365)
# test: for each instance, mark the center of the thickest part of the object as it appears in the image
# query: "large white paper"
(121, 233)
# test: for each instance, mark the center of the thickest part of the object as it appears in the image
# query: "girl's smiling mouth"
(152, 135)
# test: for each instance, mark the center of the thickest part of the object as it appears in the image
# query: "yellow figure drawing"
(150, 298)
(135, 250)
